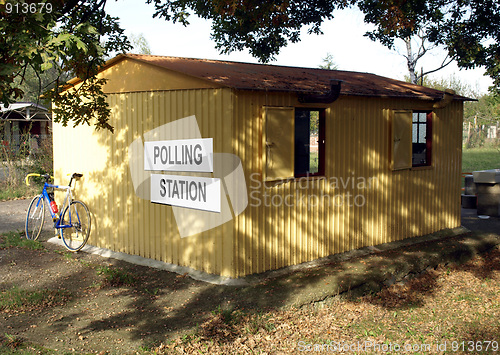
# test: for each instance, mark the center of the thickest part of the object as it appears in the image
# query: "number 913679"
(474, 346)
(27, 8)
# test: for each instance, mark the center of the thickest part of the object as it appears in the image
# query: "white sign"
(186, 191)
(226, 167)
(179, 155)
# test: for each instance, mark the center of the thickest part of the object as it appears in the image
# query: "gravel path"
(12, 215)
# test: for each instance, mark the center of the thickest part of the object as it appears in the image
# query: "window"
(293, 142)
(421, 138)
(411, 138)
(309, 139)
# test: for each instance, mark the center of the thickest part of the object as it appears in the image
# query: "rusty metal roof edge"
(418, 95)
(132, 56)
(241, 87)
(424, 97)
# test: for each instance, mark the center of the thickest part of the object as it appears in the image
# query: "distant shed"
(386, 165)
(24, 118)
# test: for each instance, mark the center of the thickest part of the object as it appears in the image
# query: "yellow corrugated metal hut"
(307, 162)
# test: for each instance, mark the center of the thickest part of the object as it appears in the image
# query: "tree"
(67, 35)
(63, 36)
(452, 82)
(469, 30)
(263, 27)
(139, 44)
(35, 84)
(328, 63)
(412, 57)
(485, 110)
(479, 116)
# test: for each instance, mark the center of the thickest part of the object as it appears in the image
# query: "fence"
(29, 153)
(481, 135)
(27, 145)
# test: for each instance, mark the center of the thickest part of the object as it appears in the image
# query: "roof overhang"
(274, 78)
(24, 111)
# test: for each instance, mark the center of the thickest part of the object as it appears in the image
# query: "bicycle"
(73, 223)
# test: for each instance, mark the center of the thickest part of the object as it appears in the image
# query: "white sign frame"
(185, 155)
(178, 190)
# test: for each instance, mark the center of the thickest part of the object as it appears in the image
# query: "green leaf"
(46, 65)
(60, 39)
(80, 44)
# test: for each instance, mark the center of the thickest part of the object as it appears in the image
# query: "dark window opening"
(309, 142)
(421, 138)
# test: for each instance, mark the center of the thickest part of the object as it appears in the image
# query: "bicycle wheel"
(35, 218)
(76, 215)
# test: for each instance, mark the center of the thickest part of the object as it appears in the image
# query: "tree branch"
(443, 64)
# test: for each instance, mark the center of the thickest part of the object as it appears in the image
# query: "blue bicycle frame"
(72, 221)
(57, 217)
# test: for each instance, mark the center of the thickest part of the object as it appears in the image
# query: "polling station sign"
(190, 155)
(199, 193)
(190, 218)
(183, 155)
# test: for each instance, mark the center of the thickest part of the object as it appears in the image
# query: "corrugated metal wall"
(284, 223)
(122, 221)
(360, 202)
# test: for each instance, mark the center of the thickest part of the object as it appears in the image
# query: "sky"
(343, 39)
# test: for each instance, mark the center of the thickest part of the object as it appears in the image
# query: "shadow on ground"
(158, 305)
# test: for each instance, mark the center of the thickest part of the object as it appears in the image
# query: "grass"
(14, 345)
(415, 315)
(260, 321)
(25, 300)
(228, 316)
(15, 240)
(480, 159)
(313, 162)
(16, 192)
(416, 312)
(115, 276)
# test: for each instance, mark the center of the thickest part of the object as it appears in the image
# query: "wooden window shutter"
(279, 143)
(401, 139)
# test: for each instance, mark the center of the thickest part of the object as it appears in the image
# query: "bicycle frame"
(67, 202)
(73, 220)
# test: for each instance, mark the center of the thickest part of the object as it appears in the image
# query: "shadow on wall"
(311, 218)
(125, 222)
(393, 205)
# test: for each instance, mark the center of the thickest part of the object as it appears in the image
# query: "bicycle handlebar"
(47, 177)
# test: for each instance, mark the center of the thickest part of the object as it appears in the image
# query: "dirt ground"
(96, 316)
(93, 316)
(84, 313)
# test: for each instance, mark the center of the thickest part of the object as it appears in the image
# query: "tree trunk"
(468, 137)
(410, 61)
